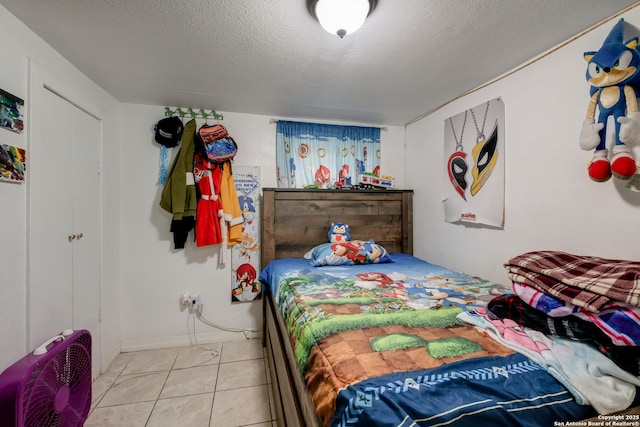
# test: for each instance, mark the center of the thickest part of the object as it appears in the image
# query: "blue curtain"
(326, 156)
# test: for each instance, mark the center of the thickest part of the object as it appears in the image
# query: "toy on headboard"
(614, 75)
(339, 233)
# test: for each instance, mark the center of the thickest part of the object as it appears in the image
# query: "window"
(325, 156)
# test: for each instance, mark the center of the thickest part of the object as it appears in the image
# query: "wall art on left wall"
(13, 163)
(11, 112)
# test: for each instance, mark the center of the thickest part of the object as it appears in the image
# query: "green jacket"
(179, 192)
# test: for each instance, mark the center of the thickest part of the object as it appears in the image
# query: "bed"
(411, 362)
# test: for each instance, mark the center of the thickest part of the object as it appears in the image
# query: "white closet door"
(50, 220)
(86, 202)
(64, 204)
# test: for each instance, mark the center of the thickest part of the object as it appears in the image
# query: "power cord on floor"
(214, 352)
(247, 332)
(197, 313)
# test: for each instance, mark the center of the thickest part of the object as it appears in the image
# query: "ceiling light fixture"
(341, 17)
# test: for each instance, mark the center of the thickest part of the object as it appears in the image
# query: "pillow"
(348, 253)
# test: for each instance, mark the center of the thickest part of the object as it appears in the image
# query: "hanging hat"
(169, 131)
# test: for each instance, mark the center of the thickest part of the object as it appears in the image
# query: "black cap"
(169, 131)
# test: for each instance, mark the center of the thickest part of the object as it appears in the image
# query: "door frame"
(41, 78)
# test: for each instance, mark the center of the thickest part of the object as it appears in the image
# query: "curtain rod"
(190, 113)
(272, 121)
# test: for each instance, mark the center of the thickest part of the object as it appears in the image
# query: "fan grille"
(58, 391)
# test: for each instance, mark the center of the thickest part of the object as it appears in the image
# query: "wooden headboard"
(295, 220)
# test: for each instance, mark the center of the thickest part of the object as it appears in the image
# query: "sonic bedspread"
(380, 344)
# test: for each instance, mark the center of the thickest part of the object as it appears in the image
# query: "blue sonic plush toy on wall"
(614, 75)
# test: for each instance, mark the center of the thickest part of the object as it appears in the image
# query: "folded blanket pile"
(578, 316)
(590, 376)
(585, 281)
(514, 308)
(619, 321)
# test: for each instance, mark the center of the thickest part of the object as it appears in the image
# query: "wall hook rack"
(190, 113)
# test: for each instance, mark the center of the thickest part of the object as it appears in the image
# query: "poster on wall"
(245, 256)
(13, 163)
(11, 112)
(473, 182)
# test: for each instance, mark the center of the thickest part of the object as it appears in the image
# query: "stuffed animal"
(339, 233)
(614, 76)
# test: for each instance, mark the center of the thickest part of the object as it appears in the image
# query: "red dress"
(209, 208)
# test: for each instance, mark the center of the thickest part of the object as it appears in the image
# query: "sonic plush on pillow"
(614, 75)
(339, 233)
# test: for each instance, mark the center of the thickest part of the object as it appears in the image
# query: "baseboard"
(152, 343)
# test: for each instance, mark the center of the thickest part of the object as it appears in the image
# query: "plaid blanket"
(619, 321)
(585, 281)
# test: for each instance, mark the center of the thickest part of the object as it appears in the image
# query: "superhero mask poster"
(473, 182)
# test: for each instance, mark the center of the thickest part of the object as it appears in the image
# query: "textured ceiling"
(271, 57)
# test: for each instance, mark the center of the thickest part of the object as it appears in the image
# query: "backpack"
(215, 143)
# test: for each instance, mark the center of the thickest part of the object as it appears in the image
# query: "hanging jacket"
(232, 213)
(179, 192)
(208, 224)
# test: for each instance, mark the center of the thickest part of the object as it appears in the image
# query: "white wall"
(13, 290)
(550, 202)
(22, 44)
(154, 275)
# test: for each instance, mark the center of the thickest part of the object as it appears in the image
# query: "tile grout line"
(155, 402)
(215, 386)
(214, 353)
(108, 388)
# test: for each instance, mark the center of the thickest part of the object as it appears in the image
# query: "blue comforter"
(380, 345)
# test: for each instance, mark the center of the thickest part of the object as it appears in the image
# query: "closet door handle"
(73, 237)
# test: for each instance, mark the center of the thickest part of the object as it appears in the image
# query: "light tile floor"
(209, 385)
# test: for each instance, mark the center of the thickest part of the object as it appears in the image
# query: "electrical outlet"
(194, 300)
(184, 299)
(191, 301)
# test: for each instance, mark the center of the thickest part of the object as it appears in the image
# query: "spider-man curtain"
(326, 156)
